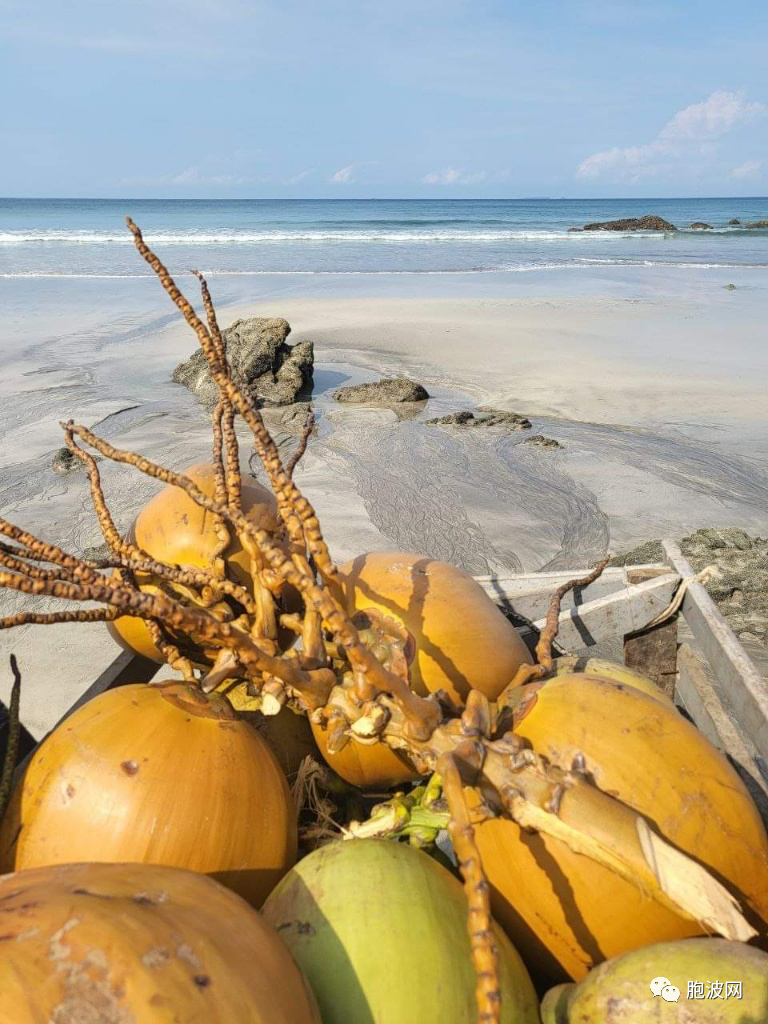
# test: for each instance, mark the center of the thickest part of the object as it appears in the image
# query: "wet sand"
(659, 406)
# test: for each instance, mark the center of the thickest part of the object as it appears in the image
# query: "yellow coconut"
(462, 641)
(172, 528)
(613, 672)
(140, 944)
(563, 911)
(159, 774)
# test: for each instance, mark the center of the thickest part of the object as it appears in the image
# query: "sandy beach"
(662, 427)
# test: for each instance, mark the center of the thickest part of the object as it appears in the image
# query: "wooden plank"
(126, 668)
(627, 611)
(654, 653)
(528, 594)
(702, 702)
(742, 685)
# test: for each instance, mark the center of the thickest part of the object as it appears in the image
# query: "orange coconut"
(613, 672)
(137, 943)
(462, 642)
(172, 528)
(368, 766)
(563, 911)
(159, 774)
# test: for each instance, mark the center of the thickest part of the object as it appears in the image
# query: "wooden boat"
(658, 616)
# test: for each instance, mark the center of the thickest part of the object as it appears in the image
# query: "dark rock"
(735, 220)
(575, 229)
(539, 441)
(455, 419)
(650, 222)
(65, 462)
(262, 364)
(491, 418)
(644, 554)
(756, 224)
(389, 391)
(730, 287)
(699, 225)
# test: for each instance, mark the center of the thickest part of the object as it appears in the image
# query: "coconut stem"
(547, 636)
(479, 924)
(132, 556)
(295, 459)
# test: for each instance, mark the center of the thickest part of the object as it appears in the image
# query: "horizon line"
(370, 199)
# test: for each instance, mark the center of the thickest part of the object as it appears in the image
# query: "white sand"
(660, 406)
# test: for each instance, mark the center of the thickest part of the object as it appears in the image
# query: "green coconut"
(380, 929)
(554, 1005)
(631, 989)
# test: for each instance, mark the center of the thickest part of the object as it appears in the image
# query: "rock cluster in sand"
(262, 363)
(539, 441)
(739, 583)
(390, 391)
(491, 418)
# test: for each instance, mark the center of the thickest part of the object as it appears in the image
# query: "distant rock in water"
(730, 287)
(735, 220)
(491, 418)
(539, 441)
(699, 225)
(262, 363)
(650, 222)
(756, 224)
(390, 391)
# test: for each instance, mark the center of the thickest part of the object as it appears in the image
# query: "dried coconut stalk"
(52, 618)
(131, 556)
(170, 652)
(479, 924)
(219, 492)
(371, 678)
(313, 687)
(263, 442)
(594, 824)
(295, 459)
(547, 637)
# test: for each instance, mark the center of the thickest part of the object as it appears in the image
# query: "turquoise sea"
(86, 238)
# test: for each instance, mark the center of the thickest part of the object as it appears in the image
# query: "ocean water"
(87, 238)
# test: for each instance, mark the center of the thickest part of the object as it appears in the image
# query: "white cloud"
(193, 176)
(453, 176)
(344, 175)
(750, 169)
(712, 118)
(294, 179)
(691, 132)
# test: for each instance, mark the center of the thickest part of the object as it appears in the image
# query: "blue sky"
(394, 98)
